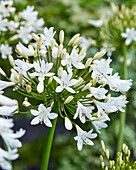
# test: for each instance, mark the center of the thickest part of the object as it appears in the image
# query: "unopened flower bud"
(110, 164)
(69, 99)
(39, 43)
(80, 81)
(61, 36)
(11, 60)
(113, 162)
(60, 70)
(126, 149)
(20, 78)
(52, 103)
(53, 42)
(128, 153)
(106, 168)
(127, 159)
(99, 54)
(35, 36)
(120, 160)
(73, 39)
(107, 153)
(78, 41)
(101, 158)
(14, 75)
(68, 124)
(2, 72)
(60, 48)
(50, 80)
(87, 86)
(63, 54)
(83, 51)
(26, 104)
(102, 145)
(28, 88)
(102, 164)
(88, 62)
(20, 52)
(123, 147)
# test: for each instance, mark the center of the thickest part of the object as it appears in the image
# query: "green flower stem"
(122, 114)
(47, 146)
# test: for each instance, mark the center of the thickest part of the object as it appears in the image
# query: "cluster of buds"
(16, 26)
(67, 84)
(122, 161)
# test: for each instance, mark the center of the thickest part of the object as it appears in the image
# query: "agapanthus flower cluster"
(8, 108)
(16, 26)
(67, 84)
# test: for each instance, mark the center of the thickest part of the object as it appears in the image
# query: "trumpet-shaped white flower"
(119, 102)
(5, 84)
(7, 101)
(43, 115)
(116, 84)
(7, 155)
(73, 59)
(104, 108)
(5, 50)
(42, 70)
(65, 82)
(99, 124)
(48, 36)
(83, 112)
(98, 92)
(101, 67)
(83, 137)
(130, 35)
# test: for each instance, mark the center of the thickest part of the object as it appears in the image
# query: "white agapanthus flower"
(109, 48)
(42, 70)
(98, 92)
(83, 137)
(85, 42)
(3, 24)
(99, 124)
(48, 36)
(5, 84)
(5, 50)
(6, 8)
(65, 82)
(12, 25)
(43, 115)
(130, 35)
(73, 59)
(83, 112)
(96, 23)
(101, 67)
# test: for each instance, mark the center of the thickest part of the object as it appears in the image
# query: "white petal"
(68, 124)
(79, 145)
(34, 112)
(59, 89)
(57, 79)
(40, 87)
(72, 82)
(52, 115)
(70, 90)
(35, 121)
(47, 122)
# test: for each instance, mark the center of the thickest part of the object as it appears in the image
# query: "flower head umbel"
(43, 115)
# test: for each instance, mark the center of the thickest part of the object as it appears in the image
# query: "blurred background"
(75, 16)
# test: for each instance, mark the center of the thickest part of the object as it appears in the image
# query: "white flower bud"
(52, 103)
(53, 42)
(101, 158)
(35, 36)
(107, 153)
(80, 81)
(61, 36)
(106, 168)
(2, 72)
(11, 60)
(63, 54)
(20, 52)
(14, 75)
(83, 51)
(68, 124)
(87, 86)
(102, 145)
(69, 99)
(90, 69)
(120, 160)
(88, 62)
(26, 104)
(102, 164)
(73, 39)
(50, 80)
(60, 48)
(99, 54)
(78, 41)
(28, 88)
(60, 70)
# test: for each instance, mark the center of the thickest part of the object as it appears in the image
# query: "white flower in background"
(109, 49)
(96, 23)
(22, 66)
(35, 24)
(65, 82)
(7, 155)
(104, 108)
(119, 102)
(98, 92)
(83, 137)
(12, 25)
(8, 110)
(42, 70)
(68, 124)
(48, 35)
(73, 59)
(7, 101)
(101, 67)
(99, 124)
(43, 115)
(83, 112)
(5, 50)
(6, 8)
(54, 52)
(85, 42)
(5, 84)
(130, 35)
(116, 84)
(3, 24)
(24, 34)
(26, 51)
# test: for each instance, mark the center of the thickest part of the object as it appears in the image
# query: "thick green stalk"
(122, 114)
(47, 146)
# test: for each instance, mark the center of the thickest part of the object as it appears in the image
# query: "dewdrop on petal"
(61, 36)
(73, 39)
(68, 124)
(88, 62)
(80, 81)
(78, 41)
(11, 60)
(69, 99)
(2, 72)
(87, 86)
(99, 54)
